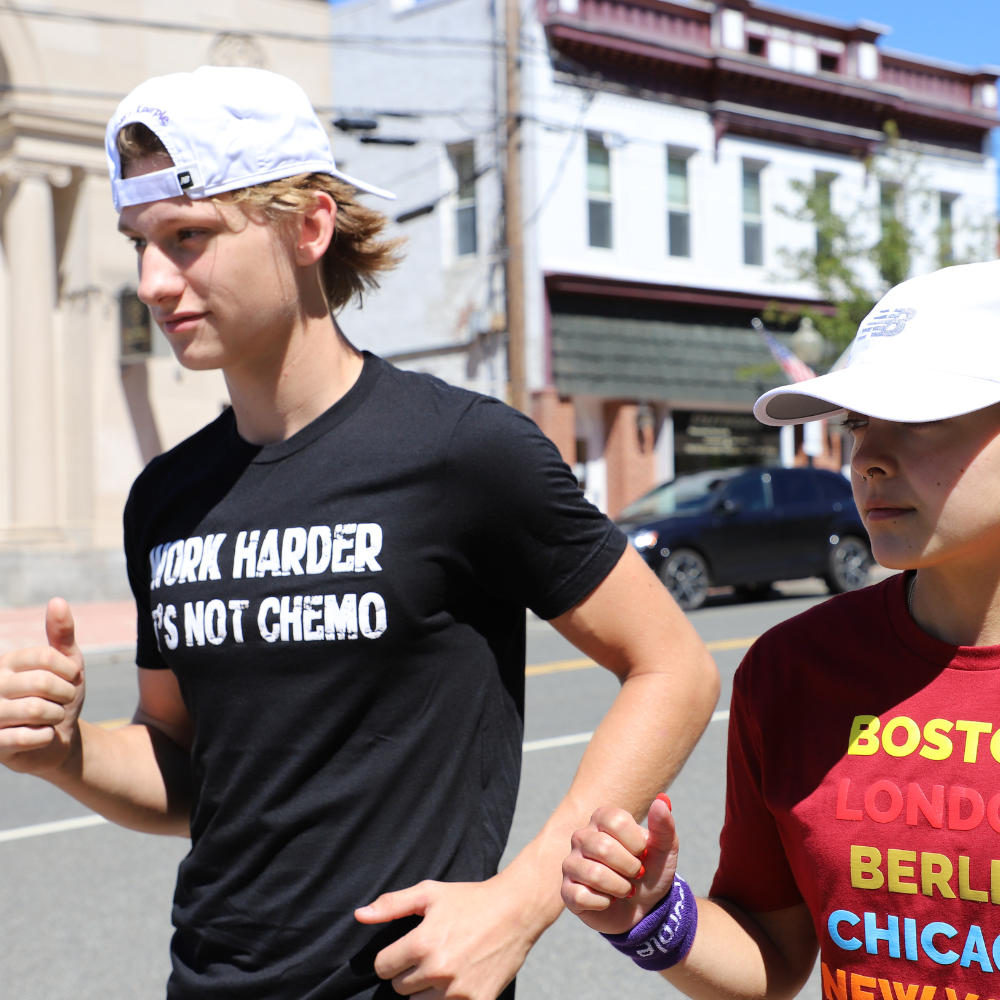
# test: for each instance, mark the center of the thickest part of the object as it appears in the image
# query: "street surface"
(85, 907)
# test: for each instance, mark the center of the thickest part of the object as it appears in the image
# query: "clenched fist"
(618, 872)
(41, 695)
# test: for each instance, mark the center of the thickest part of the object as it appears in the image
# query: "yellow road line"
(720, 644)
(113, 723)
(536, 669)
(716, 645)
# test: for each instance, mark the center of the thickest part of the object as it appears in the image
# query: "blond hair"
(356, 256)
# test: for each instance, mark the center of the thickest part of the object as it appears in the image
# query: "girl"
(863, 798)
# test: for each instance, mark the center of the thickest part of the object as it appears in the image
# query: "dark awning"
(649, 360)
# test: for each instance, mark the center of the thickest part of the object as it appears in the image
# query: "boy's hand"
(41, 694)
(472, 940)
(618, 871)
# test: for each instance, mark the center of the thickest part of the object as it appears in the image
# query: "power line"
(563, 161)
(89, 17)
(428, 207)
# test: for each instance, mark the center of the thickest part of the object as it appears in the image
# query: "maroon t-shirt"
(864, 780)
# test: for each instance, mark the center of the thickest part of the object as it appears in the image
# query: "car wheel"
(850, 565)
(685, 574)
(755, 591)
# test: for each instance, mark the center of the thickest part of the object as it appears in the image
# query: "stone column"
(29, 242)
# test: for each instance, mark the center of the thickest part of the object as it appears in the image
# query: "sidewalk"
(101, 626)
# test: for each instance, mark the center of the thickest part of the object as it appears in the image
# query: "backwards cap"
(928, 351)
(225, 127)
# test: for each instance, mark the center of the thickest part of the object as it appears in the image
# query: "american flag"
(796, 370)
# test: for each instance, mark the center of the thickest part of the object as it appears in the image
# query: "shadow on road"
(782, 590)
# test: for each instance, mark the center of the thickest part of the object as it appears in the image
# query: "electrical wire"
(402, 178)
(434, 202)
(564, 159)
(89, 17)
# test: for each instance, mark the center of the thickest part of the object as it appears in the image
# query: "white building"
(660, 141)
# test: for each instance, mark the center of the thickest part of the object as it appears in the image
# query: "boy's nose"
(159, 279)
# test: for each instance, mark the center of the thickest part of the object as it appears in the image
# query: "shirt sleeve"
(754, 871)
(139, 574)
(526, 531)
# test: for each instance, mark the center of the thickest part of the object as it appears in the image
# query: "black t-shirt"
(344, 612)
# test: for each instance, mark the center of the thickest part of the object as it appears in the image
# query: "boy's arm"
(475, 936)
(735, 954)
(137, 776)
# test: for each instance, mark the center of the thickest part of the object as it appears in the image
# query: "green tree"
(849, 270)
(834, 265)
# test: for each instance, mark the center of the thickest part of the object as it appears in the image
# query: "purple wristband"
(664, 936)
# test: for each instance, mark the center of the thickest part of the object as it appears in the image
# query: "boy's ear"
(315, 229)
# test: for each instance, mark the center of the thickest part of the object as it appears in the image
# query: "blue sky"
(962, 31)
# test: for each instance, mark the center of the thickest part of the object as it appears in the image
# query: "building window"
(136, 330)
(887, 204)
(756, 46)
(946, 230)
(463, 159)
(824, 181)
(599, 191)
(678, 206)
(580, 465)
(753, 226)
(829, 63)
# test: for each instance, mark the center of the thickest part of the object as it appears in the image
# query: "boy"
(331, 581)
(863, 798)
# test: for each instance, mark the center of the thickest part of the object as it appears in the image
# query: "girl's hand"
(618, 872)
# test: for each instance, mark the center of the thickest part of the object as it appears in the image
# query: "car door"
(738, 536)
(801, 516)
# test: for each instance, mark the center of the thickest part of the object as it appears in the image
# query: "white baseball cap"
(225, 127)
(929, 350)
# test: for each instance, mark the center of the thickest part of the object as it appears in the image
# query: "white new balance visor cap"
(225, 127)
(928, 351)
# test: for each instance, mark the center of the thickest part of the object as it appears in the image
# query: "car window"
(749, 491)
(834, 487)
(685, 493)
(793, 487)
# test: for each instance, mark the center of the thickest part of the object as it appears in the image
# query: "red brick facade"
(833, 456)
(629, 455)
(557, 419)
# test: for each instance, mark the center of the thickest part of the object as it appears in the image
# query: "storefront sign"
(719, 440)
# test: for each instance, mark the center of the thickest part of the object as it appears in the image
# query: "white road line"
(556, 741)
(565, 741)
(60, 826)
(81, 822)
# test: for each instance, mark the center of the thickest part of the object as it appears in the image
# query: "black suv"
(747, 528)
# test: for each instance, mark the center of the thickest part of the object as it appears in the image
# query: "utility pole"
(513, 216)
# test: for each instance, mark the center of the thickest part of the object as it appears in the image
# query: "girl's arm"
(735, 954)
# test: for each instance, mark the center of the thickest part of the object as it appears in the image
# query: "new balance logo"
(185, 180)
(887, 323)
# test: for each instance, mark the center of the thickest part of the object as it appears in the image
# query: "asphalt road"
(85, 911)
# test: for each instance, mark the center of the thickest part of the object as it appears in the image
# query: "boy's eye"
(137, 244)
(854, 423)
